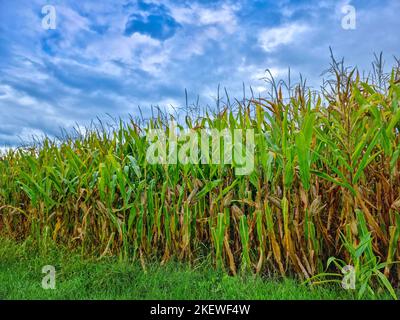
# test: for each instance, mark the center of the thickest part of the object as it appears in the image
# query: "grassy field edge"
(87, 278)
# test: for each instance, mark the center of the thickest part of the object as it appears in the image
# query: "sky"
(107, 58)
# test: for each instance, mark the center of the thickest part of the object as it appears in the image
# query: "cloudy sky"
(109, 57)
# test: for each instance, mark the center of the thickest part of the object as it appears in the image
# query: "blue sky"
(109, 57)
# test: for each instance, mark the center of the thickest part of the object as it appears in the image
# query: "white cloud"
(169, 104)
(195, 14)
(137, 51)
(260, 89)
(114, 47)
(3, 150)
(71, 24)
(223, 15)
(27, 134)
(72, 20)
(255, 74)
(271, 38)
(8, 93)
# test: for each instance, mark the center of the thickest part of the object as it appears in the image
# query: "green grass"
(78, 278)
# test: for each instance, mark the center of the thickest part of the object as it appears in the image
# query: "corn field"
(326, 173)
